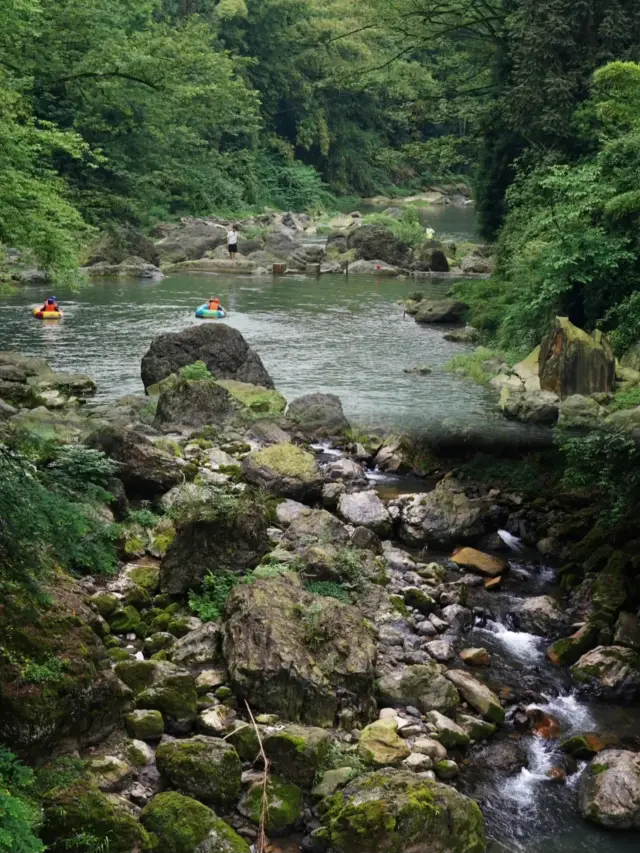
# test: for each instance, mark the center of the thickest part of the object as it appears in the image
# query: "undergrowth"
(625, 400)
(196, 371)
(473, 365)
(329, 589)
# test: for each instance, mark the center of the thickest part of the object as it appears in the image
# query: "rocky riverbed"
(412, 684)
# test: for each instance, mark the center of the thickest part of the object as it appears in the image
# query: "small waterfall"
(526, 648)
(573, 714)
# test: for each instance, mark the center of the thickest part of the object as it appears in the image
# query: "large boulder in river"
(221, 348)
(284, 470)
(610, 790)
(574, 362)
(612, 671)
(232, 537)
(444, 517)
(194, 403)
(375, 242)
(297, 655)
(396, 811)
(145, 470)
(318, 416)
(440, 311)
(541, 615)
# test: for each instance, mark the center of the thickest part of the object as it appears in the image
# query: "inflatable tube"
(46, 315)
(204, 313)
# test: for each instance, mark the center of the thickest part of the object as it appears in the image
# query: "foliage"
(197, 370)
(625, 400)
(605, 461)
(19, 817)
(209, 604)
(314, 632)
(348, 564)
(143, 517)
(329, 589)
(41, 528)
(80, 471)
(531, 475)
(408, 228)
(479, 365)
(337, 756)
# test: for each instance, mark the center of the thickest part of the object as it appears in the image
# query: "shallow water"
(342, 335)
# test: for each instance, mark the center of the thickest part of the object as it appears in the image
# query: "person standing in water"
(232, 242)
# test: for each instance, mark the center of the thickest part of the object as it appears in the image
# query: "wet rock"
(569, 649)
(422, 685)
(441, 311)
(477, 695)
(318, 416)
(418, 599)
(609, 793)
(627, 631)
(284, 470)
(476, 729)
(344, 469)
(204, 767)
(612, 670)
(186, 826)
(444, 517)
(475, 657)
(507, 756)
(391, 459)
(145, 471)
(574, 362)
(222, 348)
(584, 746)
(290, 653)
(541, 615)
(381, 746)
(485, 564)
(388, 807)
(450, 734)
(365, 509)
(457, 616)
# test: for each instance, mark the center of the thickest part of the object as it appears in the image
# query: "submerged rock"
(396, 811)
(440, 311)
(220, 347)
(295, 654)
(610, 790)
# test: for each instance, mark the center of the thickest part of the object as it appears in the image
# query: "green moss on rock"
(145, 725)
(297, 752)
(284, 805)
(146, 576)
(180, 824)
(205, 767)
(124, 620)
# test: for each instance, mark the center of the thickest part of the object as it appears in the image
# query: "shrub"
(196, 371)
(329, 589)
(625, 400)
(19, 816)
(209, 603)
(143, 517)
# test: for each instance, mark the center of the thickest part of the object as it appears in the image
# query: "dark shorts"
(233, 248)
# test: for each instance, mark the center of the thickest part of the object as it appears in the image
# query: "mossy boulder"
(610, 590)
(289, 652)
(260, 400)
(204, 767)
(284, 805)
(145, 725)
(381, 746)
(284, 470)
(584, 745)
(145, 574)
(183, 825)
(235, 541)
(394, 811)
(609, 793)
(105, 603)
(450, 734)
(81, 700)
(162, 686)
(570, 649)
(296, 752)
(83, 809)
(194, 403)
(612, 670)
(124, 620)
(201, 646)
(421, 685)
(245, 741)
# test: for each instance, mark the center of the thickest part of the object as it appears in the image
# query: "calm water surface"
(342, 335)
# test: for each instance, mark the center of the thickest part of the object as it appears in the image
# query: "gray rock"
(441, 311)
(441, 650)
(193, 404)
(202, 646)
(422, 685)
(628, 631)
(541, 615)
(365, 509)
(318, 416)
(609, 792)
(344, 469)
(375, 242)
(445, 517)
(288, 510)
(222, 348)
(612, 670)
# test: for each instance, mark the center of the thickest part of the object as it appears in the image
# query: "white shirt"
(232, 238)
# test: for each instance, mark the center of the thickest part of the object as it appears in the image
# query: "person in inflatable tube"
(50, 305)
(213, 304)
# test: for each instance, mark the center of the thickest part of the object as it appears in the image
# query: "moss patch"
(284, 805)
(289, 460)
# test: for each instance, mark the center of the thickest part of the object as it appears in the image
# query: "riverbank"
(249, 543)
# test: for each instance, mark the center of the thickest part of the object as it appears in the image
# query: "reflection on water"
(345, 336)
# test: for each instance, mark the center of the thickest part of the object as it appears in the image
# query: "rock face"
(118, 242)
(316, 525)
(444, 517)
(296, 752)
(365, 509)
(204, 767)
(573, 362)
(194, 403)
(441, 311)
(294, 654)
(612, 670)
(541, 615)
(610, 790)
(190, 240)
(234, 541)
(375, 242)
(318, 416)
(145, 470)
(284, 470)
(221, 348)
(397, 812)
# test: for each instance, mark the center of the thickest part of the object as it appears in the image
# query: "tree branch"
(106, 75)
